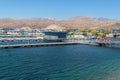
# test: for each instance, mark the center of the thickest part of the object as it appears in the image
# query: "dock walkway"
(74, 42)
(38, 44)
(108, 43)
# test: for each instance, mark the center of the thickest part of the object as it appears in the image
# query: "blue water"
(73, 62)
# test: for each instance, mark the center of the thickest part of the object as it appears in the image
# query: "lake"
(70, 62)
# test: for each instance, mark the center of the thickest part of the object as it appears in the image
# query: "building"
(116, 32)
(54, 35)
(100, 30)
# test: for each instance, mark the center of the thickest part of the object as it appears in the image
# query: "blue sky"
(60, 9)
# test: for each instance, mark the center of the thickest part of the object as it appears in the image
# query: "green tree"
(106, 32)
(95, 32)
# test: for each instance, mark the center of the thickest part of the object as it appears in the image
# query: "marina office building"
(55, 35)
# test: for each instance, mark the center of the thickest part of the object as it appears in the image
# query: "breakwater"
(115, 44)
(38, 44)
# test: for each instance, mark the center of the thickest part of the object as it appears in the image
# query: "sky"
(59, 9)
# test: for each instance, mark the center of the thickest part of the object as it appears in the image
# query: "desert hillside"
(81, 22)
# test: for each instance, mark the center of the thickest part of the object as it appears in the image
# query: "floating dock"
(75, 42)
(37, 44)
(113, 44)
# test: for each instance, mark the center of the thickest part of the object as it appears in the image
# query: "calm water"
(75, 62)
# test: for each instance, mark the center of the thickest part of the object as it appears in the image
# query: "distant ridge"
(82, 22)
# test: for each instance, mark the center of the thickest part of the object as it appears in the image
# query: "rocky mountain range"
(81, 22)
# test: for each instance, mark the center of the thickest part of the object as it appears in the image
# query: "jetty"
(68, 42)
(38, 44)
(108, 43)
(105, 43)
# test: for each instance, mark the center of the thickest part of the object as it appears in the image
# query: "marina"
(31, 37)
(28, 43)
(38, 44)
(59, 40)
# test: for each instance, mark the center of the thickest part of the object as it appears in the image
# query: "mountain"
(81, 22)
